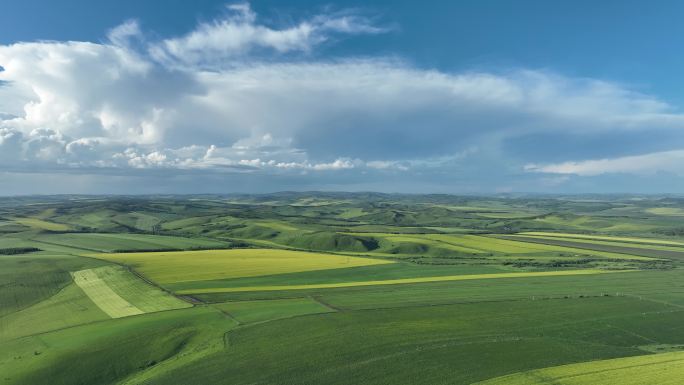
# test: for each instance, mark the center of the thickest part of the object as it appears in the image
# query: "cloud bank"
(238, 96)
(666, 161)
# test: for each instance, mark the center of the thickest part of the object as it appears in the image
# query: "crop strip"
(103, 296)
(401, 281)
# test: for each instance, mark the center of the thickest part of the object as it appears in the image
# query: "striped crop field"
(119, 293)
(103, 296)
(402, 281)
(188, 266)
(606, 238)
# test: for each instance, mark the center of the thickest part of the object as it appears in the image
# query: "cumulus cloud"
(665, 161)
(225, 97)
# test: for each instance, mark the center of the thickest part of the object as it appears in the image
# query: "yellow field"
(670, 211)
(41, 224)
(103, 296)
(661, 369)
(401, 281)
(605, 238)
(187, 266)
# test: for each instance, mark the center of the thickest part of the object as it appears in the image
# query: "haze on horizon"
(468, 97)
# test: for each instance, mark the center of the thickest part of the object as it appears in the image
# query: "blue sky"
(458, 97)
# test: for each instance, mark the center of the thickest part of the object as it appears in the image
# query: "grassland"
(333, 288)
(124, 350)
(69, 307)
(29, 279)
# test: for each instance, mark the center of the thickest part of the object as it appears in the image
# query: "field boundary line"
(319, 299)
(70, 247)
(644, 298)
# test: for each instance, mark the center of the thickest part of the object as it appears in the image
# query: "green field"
(103, 296)
(69, 307)
(464, 277)
(341, 288)
(608, 238)
(189, 266)
(247, 312)
(40, 224)
(127, 242)
(119, 293)
(673, 211)
(665, 368)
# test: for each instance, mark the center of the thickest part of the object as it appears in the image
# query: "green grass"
(351, 213)
(186, 266)
(69, 307)
(26, 280)
(418, 243)
(665, 368)
(457, 344)
(247, 312)
(125, 350)
(109, 292)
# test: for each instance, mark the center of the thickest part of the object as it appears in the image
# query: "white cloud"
(665, 161)
(123, 33)
(221, 42)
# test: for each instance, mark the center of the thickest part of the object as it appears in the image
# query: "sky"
(463, 97)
